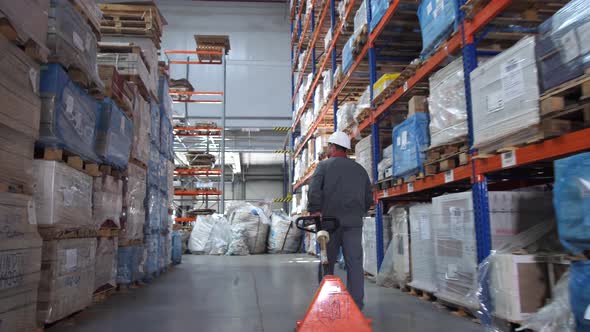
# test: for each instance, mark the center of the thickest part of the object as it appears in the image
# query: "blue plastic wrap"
(378, 9)
(154, 164)
(163, 178)
(437, 22)
(68, 114)
(128, 261)
(164, 97)
(410, 141)
(580, 294)
(164, 217)
(563, 46)
(155, 123)
(151, 243)
(571, 198)
(165, 136)
(114, 134)
(176, 247)
(347, 57)
(153, 215)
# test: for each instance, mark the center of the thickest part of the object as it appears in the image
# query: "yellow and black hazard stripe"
(283, 151)
(287, 199)
(282, 128)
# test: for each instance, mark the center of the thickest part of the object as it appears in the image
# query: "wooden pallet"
(472, 7)
(456, 310)
(130, 243)
(359, 41)
(446, 157)
(85, 11)
(33, 49)
(138, 163)
(107, 170)
(216, 43)
(141, 87)
(49, 233)
(422, 294)
(102, 293)
(132, 19)
(108, 232)
(116, 88)
(409, 179)
(363, 115)
(71, 159)
(408, 72)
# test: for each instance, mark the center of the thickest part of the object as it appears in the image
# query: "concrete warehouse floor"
(253, 293)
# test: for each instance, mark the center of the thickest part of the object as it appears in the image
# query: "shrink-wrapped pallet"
(128, 264)
(170, 174)
(63, 196)
(166, 138)
(455, 246)
(572, 202)
(163, 175)
(28, 18)
(72, 42)
(20, 263)
(176, 251)
(378, 9)
(256, 223)
(151, 243)
(67, 278)
(16, 153)
(114, 135)
(563, 46)
(134, 193)
(369, 246)
(153, 217)
(68, 114)
(401, 245)
(438, 19)
(141, 117)
(164, 97)
(363, 152)
(164, 216)
(107, 201)
(155, 124)
(154, 166)
(19, 88)
(105, 269)
(347, 54)
(410, 141)
(130, 65)
(580, 293)
(423, 267)
(505, 96)
(446, 105)
(360, 19)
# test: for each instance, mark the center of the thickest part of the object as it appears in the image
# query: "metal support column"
(222, 152)
(334, 58)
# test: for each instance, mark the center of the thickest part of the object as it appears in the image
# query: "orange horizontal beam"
(459, 173)
(196, 192)
(302, 36)
(197, 93)
(196, 171)
(197, 129)
(196, 135)
(201, 101)
(193, 52)
(306, 177)
(184, 62)
(185, 219)
(547, 150)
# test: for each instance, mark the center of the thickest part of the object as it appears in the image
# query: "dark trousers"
(350, 239)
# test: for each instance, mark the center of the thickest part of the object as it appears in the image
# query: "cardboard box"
(417, 104)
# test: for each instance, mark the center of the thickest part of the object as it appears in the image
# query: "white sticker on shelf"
(71, 258)
(512, 79)
(449, 176)
(410, 187)
(584, 35)
(457, 218)
(405, 86)
(508, 158)
(570, 47)
(424, 224)
(404, 142)
(78, 42)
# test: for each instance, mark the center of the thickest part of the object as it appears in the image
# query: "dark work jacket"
(341, 188)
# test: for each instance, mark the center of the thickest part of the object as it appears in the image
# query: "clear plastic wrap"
(153, 223)
(347, 57)
(422, 248)
(580, 294)
(369, 246)
(446, 104)
(572, 201)
(67, 278)
(505, 96)
(318, 100)
(105, 269)
(328, 39)
(71, 40)
(401, 245)
(207, 237)
(114, 135)
(170, 175)
(383, 167)
(91, 12)
(165, 221)
(69, 115)
(19, 87)
(164, 97)
(151, 243)
(437, 22)
(134, 194)
(176, 247)
(455, 247)
(563, 48)
(155, 123)
(19, 310)
(378, 9)
(363, 104)
(166, 138)
(385, 276)
(360, 19)
(256, 223)
(238, 246)
(337, 75)
(164, 176)
(129, 64)
(63, 195)
(326, 84)
(345, 117)
(129, 259)
(140, 149)
(411, 139)
(284, 237)
(154, 165)
(107, 201)
(28, 18)
(363, 152)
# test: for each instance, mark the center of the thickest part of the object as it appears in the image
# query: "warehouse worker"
(341, 188)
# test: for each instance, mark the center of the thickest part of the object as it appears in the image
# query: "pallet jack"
(332, 308)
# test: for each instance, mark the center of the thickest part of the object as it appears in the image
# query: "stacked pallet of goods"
(67, 211)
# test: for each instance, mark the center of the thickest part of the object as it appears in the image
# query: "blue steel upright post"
(376, 151)
(479, 187)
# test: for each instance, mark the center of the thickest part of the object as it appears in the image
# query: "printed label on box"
(404, 139)
(78, 42)
(512, 79)
(457, 218)
(569, 45)
(424, 223)
(451, 271)
(584, 35)
(494, 102)
(508, 159)
(71, 258)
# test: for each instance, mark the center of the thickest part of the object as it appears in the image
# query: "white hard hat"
(340, 138)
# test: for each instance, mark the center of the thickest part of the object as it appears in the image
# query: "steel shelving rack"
(480, 172)
(202, 133)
